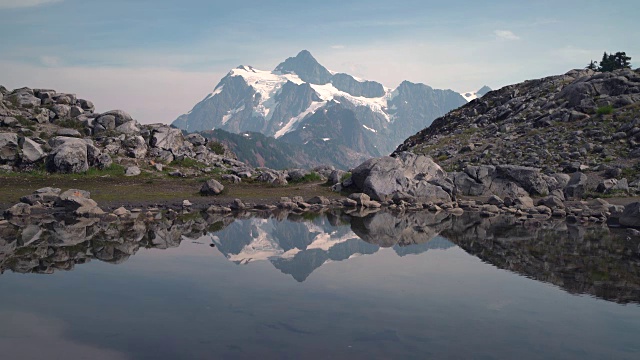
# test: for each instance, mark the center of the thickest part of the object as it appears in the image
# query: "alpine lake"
(334, 285)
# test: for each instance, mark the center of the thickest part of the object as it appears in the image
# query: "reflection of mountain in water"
(298, 248)
(598, 261)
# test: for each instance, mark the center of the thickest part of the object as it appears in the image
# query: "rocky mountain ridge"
(580, 121)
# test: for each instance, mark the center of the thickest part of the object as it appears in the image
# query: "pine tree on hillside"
(593, 65)
(616, 61)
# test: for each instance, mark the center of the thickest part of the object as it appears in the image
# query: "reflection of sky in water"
(192, 302)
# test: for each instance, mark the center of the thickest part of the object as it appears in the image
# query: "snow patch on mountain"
(326, 241)
(290, 126)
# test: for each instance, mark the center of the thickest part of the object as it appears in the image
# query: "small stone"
(211, 187)
(132, 171)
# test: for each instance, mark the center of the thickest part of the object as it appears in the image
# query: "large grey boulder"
(295, 175)
(61, 111)
(86, 104)
(69, 155)
(196, 139)
(609, 186)
(503, 181)
(530, 179)
(167, 138)
(8, 147)
(43, 195)
(25, 98)
(414, 174)
(211, 187)
(73, 199)
(103, 161)
(135, 146)
(631, 215)
(120, 117)
(106, 122)
(31, 150)
(19, 209)
(335, 176)
(273, 178)
(128, 128)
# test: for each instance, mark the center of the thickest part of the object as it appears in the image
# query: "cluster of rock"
(47, 201)
(415, 182)
(580, 121)
(66, 134)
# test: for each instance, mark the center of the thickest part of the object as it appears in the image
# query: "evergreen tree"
(593, 65)
(616, 61)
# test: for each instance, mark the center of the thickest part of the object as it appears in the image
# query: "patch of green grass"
(194, 215)
(216, 147)
(70, 124)
(310, 177)
(605, 110)
(188, 163)
(113, 170)
(442, 157)
(345, 176)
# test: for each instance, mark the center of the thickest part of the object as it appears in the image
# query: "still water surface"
(293, 288)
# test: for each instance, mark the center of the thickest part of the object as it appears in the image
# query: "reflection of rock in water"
(52, 244)
(437, 243)
(598, 261)
(386, 229)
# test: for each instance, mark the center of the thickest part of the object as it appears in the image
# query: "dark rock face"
(418, 104)
(350, 85)
(306, 67)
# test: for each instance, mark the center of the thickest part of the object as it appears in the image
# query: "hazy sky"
(157, 58)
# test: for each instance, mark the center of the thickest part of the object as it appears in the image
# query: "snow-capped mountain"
(281, 102)
(472, 95)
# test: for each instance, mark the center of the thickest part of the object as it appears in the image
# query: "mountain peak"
(483, 90)
(306, 67)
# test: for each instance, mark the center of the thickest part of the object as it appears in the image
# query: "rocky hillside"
(287, 102)
(44, 130)
(579, 121)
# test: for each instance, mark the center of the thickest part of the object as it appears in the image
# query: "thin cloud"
(506, 35)
(14, 4)
(338, 46)
(50, 61)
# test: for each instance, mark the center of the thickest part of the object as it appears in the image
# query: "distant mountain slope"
(472, 95)
(277, 103)
(578, 121)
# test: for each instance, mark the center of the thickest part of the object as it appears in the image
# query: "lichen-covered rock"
(69, 155)
(381, 177)
(211, 187)
(8, 147)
